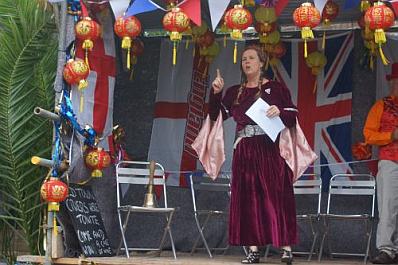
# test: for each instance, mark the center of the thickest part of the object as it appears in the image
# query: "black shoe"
(383, 258)
(252, 257)
(287, 257)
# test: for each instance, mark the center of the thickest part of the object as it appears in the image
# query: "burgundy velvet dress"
(262, 209)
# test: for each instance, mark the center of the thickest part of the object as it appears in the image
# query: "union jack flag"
(324, 114)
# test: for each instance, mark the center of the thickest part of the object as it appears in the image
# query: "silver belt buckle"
(249, 130)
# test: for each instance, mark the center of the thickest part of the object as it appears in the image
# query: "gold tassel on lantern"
(54, 207)
(235, 52)
(306, 33)
(324, 40)
(174, 53)
(126, 44)
(87, 45)
(380, 38)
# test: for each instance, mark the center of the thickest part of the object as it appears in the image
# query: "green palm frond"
(27, 72)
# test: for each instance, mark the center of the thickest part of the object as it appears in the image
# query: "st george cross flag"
(97, 107)
(325, 116)
(181, 107)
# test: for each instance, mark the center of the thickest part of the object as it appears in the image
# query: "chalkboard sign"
(86, 218)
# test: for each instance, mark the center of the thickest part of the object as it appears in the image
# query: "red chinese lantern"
(306, 17)
(237, 19)
(87, 30)
(54, 191)
(330, 11)
(379, 17)
(97, 159)
(176, 22)
(76, 72)
(127, 28)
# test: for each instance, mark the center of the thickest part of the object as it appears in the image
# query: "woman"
(262, 209)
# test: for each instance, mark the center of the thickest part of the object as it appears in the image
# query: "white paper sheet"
(271, 126)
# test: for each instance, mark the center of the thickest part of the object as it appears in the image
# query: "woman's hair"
(262, 57)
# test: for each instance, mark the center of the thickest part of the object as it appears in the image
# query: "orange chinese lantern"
(87, 30)
(176, 22)
(54, 191)
(127, 28)
(306, 17)
(76, 72)
(237, 19)
(97, 159)
(379, 18)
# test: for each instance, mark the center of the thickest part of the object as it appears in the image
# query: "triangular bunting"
(217, 8)
(140, 6)
(193, 10)
(320, 4)
(119, 7)
(280, 5)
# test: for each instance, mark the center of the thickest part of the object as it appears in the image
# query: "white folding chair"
(137, 173)
(202, 216)
(341, 186)
(304, 188)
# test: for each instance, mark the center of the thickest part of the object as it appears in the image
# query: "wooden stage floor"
(182, 259)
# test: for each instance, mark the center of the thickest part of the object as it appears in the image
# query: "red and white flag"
(181, 106)
(97, 107)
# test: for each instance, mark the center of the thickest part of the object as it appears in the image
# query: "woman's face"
(251, 63)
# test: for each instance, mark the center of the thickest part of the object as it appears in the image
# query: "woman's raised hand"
(218, 83)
